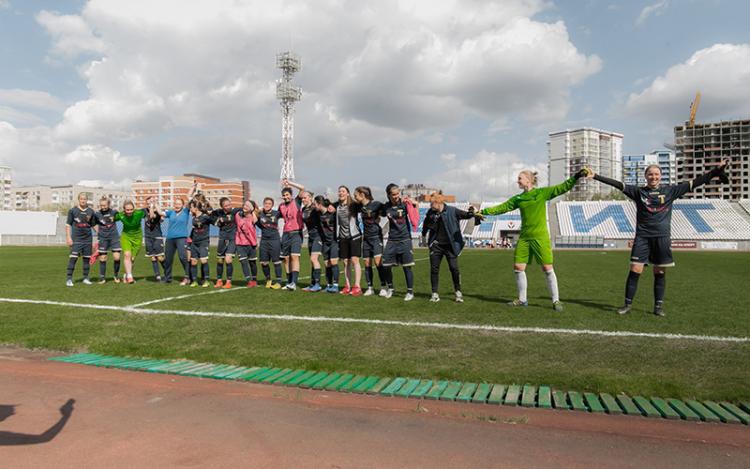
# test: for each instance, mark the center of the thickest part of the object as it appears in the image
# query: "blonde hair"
(652, 166)
(128, 202)
(437, 197)
(532, 175)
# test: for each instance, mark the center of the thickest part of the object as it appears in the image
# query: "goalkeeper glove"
(581, 173)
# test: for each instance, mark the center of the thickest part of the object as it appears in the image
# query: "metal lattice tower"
(288, 95)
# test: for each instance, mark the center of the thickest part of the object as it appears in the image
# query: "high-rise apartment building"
(571, 150)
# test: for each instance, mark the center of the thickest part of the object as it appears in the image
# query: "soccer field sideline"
(137, 309)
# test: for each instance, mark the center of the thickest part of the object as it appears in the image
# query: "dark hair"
(364, 190)
(222, 200)
(389, 188)
(268, 198)
(322, 200)
(285, 190)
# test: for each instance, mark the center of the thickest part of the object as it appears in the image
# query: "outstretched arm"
(611, 182)
(559, 189)
(507, 206)
(705, 178)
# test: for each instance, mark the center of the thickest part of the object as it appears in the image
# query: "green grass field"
(706, 295)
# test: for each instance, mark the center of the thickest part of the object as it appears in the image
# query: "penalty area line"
(386, 322)
(181, 297)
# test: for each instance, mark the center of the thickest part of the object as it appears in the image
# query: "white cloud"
(486, 176)
(654, 9)
(37, 157)
(30, 99)
(720, 72)
(192, 83)
(4, 4)
(70, 33)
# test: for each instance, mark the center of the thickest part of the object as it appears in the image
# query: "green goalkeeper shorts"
(131, 244)
(530, 250)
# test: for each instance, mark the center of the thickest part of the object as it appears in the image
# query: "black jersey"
(311, 219)
(105, 220)
(80, 222)
(371, 219)
(152, 226)
(226, 222)
(398, 221)
(269, 224)
(654, 207)
(201, 228)
(328, 227)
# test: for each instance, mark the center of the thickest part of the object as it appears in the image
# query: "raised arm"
(288, 183)
(705, 178)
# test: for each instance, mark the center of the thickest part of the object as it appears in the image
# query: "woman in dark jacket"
(442, 222)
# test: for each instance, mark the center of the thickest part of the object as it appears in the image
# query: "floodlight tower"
(288, 95)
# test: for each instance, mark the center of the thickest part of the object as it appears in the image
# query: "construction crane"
(694, 108)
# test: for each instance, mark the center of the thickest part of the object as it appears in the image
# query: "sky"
(459, 95)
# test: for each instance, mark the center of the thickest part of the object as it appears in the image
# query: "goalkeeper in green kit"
(534, 243)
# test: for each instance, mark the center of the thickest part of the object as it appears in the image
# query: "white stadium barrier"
(706, 219)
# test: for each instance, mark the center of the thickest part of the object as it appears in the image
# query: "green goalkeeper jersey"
(131, 225)
(533, 206)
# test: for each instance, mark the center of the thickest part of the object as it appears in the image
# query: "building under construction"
(700, 147)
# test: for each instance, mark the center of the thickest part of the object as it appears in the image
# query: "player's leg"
(117, 262)
(436, 258)
(103, 248)
(344, 249)
(389, 260)
(220, 251)
(661, 253)
(455, 275)
(72, 259)
(406, 259)
(170, 248)
(520, 260)
(205, 271)
(295, 250)
(193, 265)
(541, 251)
(356, 253)
(183, 253)
(276, 260)
(86, 250)
(160, 255)
(102, 267)
(639, 256)
(229, 263)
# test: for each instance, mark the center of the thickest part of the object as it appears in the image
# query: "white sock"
(552, 285)
(521, 284)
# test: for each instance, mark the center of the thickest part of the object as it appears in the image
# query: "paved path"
(131, 419)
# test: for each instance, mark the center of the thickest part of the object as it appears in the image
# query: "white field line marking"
(384, 322)
(180, 297)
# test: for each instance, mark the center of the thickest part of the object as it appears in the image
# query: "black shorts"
(372, 247)
(330, 251)
(199, 249)
(291, 243)
(350, 247)
(398, 253)
(154, 247)
(247, 252)
(654, 251)
(226, 246)
(109, 243)
(81, 248)
(314, 245)
(270, 250)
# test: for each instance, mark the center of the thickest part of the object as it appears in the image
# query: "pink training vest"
(292, 216)
(246, 234)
